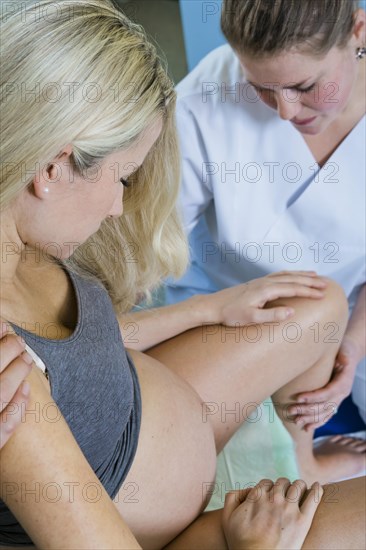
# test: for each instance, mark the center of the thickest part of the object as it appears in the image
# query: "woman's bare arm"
(144, 329)
(236, 306)
(49, 486)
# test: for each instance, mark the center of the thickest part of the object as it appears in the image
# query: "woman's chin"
(309, 131)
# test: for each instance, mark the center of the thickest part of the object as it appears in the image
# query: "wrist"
(203, 309)
(352, 343)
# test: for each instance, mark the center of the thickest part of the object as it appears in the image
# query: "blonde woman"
(117, 449)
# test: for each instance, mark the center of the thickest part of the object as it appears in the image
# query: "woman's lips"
(304, 121)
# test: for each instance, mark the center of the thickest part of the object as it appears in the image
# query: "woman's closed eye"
(302, 90)
(308, 89)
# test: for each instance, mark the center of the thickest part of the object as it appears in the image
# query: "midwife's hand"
(15, 365)
(245, 304)
(315, 408)
(270, 516)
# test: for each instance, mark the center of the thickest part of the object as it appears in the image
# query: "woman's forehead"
(288, 67)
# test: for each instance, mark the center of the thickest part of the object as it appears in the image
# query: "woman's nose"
(288, 104)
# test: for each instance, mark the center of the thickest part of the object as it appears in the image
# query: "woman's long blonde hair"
(80, 72)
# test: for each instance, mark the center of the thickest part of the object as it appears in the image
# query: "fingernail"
(27, 358)
(25, 388)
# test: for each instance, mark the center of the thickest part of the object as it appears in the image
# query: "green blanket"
(261, 448)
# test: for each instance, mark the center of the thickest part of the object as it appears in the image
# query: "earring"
(360, 52)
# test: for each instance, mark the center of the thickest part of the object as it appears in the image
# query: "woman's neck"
(21, 266)
(11, 250)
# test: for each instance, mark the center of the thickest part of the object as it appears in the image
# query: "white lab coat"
(253, 193)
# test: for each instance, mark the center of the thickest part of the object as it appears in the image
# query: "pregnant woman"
(117, 448)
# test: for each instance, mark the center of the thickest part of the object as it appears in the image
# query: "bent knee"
(336, 300)
(331, 310)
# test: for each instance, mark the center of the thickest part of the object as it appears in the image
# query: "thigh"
(235, 368)
(339, 522)
(166, 488)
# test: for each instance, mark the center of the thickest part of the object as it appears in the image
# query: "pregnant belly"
(169, 481)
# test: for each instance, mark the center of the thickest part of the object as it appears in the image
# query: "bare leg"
(214, 357)
(330, 465)
(340, 519)
(350, 444)
(339, 523)
(344, 453)
(231, 368)
(182, 429)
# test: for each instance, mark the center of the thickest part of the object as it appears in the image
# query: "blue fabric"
(195, 280)
(201, 28)
(347, 420)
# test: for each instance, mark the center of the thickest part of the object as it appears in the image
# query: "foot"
(334, 459)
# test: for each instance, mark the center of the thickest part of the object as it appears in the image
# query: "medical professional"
(272, 134)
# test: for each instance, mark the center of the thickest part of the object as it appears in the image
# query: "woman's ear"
(359, 27)
(65, 153)
(56, 171)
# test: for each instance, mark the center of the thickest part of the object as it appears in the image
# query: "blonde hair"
(98, 84)
(259, 28)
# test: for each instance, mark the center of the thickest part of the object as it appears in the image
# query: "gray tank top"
(94, 383)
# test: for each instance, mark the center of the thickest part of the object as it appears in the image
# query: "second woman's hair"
(260, 28)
